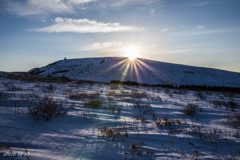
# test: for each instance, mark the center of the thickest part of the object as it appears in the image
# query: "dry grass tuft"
(46, 109)
(94, 103)
(190, 109)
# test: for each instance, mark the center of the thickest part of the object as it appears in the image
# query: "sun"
(132, 53)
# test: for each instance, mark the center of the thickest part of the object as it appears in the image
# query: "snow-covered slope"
(141, 70)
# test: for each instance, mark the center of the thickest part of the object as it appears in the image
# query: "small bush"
(200, 95)
(78, 96)
(114, 86)
(112, 93)
(46, 109)
(75, 96)
(94, 103)
(237, 117)
(234, 119)
(156, 98)
(231, 105)
(180, 91)
(139, 94)
(110, 99)
(190, 109)
(217, 103)
(49, 88)
(113, 109)
(167, 91)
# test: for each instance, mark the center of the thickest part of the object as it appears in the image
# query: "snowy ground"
(130, 122)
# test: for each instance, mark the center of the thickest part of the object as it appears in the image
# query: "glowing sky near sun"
(204, 33)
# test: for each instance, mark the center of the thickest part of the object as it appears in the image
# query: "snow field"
(106, 121)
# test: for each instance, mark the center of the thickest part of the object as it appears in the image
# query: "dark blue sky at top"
(193, 32)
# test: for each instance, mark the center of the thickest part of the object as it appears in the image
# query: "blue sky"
(204, 33)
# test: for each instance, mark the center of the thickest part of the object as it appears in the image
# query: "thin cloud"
(44, 7)
(200, 27)
(101, 45)
(49, 7)
(199, 4)
(85, 26)
(164, 30)
(171, 50)
(121, 3)
(206, 32)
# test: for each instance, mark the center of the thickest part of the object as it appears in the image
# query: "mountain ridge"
(106, 69)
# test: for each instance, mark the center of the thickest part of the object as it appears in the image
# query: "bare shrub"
(3, 95)
(94, 103)
(195, 154)
(83, 95)
(229, 95)
(46, 109)
(200, 95)
(156, 98)
(12, 87)
(6, 148)
(237, 117)
(170, 125)
(217, 103)
(167, 122)
(139, 150)
(31, 96)
(180, 91)
(110, 99)
(166, 90)
(114, 86)
(230, 105)
(114, 93)
(114, 133)
(49, 88)
(234, 119)
(139, 94)
(94, 95)
(26, 153)
(144, 109)
(142, 105)
(78, 96)
(37, 85)
(16, 76)
(236, 134)
(197, 130)
(113, 109)
(190, 109)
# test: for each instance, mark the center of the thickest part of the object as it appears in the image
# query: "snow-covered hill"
(141, 70)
